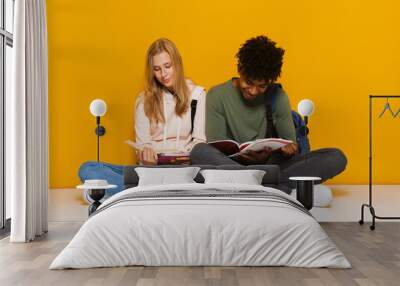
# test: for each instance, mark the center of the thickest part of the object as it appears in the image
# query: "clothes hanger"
(397, 113)
(387, 107)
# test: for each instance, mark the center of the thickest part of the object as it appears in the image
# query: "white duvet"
(200, 231)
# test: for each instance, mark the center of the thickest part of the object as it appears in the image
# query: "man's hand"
(253, 157)
(147, 156)
(290, 149)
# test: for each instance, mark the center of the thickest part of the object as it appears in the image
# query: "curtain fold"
(27, 123)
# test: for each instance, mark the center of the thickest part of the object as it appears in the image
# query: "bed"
(201, 224)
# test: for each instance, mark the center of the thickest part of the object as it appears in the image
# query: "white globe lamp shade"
(98, 107)
(305, 107)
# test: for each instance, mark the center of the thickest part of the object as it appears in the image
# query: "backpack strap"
(269, 102)
(193, 106)
(270, 122)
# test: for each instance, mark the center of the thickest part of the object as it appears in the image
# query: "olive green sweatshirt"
(230, 116)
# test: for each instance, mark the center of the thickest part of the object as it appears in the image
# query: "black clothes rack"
(369, 205)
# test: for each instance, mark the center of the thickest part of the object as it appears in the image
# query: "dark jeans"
(324, 163)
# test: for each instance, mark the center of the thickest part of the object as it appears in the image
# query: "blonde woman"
(163, 121)
(163, 116)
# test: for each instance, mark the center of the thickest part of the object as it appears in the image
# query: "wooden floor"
(375, 257)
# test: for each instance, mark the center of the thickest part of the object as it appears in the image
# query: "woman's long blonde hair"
(153, 89)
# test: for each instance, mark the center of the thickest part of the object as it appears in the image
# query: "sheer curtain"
(27, 124)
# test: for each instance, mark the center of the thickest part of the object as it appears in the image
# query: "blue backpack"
(299, 124)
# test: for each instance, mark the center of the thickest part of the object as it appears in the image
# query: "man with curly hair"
(236, 110)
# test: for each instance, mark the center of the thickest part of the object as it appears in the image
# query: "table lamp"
(98, 108)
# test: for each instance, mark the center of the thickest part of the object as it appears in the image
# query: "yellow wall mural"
(337, 53)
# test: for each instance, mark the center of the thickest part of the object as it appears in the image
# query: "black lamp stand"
(100, 131)
(304, 131)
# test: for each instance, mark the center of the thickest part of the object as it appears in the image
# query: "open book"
(232, 148)
(167, 157)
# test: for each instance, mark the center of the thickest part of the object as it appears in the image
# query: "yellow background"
(337, 53)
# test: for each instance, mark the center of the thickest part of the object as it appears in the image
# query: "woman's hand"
(147, 156)
(290, 149)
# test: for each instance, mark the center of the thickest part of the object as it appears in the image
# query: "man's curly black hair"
(260, 59)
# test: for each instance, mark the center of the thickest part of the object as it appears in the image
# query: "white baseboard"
(67, 205)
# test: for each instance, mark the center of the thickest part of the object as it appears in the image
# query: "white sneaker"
(322, 196)
(88, 199)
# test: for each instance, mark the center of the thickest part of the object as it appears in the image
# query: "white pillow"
(249, 177)
(165, 176)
